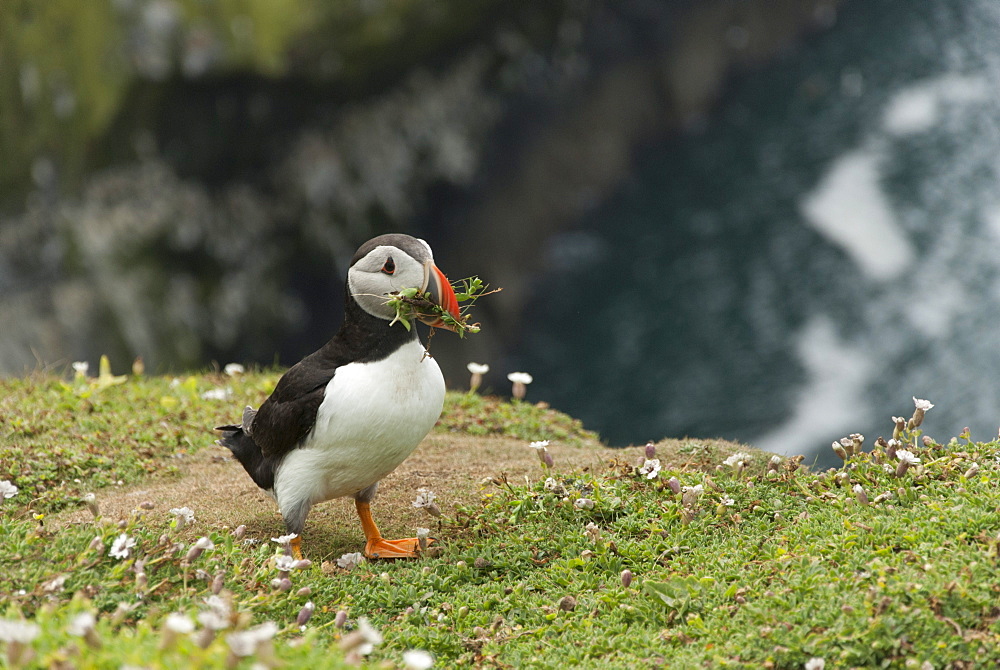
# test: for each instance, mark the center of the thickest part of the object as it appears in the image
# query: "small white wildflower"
(520, 381)
(540, 444)
(233, 369)
(583, 503)
(372, 637)
(727, 501)
(15, 630)
(179, 623)
(285, 540)
(423, 535)
(80, 369)
(350, 561)
(922, 404)
(417, 659)
(425, 500)
(7, 489)
(217, 394)
(185, 515)
(122, 546)
(246, 643)
(690, 494)
(815, 663)
(739, 459)
(650, 468)
(82, 624)
(217, 616)
(908, 456)
(286, 563)
(425, 497)
(477, 370)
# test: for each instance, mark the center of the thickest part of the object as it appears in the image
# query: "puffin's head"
(395, 262)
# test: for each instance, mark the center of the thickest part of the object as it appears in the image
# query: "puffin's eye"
(389, 266)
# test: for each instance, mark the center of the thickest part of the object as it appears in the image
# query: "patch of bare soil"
(222, 495)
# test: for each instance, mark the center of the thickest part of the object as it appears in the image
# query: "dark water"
(827, 248)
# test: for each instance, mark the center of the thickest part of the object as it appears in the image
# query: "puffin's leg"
(377, 546)
(295, 521)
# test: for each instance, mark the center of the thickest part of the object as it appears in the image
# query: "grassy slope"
(762, 570)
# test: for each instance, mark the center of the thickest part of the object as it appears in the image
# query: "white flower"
(80, 368)
(541, 444)
(737, 459)
(425, 497)
(15, 630)
(82, 624)
(727, 501)
(245, 643)
(285, 540)
(417, 659)
(815, 664)
(371, 637)
(233, 369)
(285, 563)
(650, 468)
(216, 617)
(184, 515)
(922, 404)
(217, 394)
(520, 378)
(179, 623)
(350, 561)
(478, 368)
(690, 494)
(423, 533)
(122, 546)
(583, 503)
(908, 456)
(7, 490)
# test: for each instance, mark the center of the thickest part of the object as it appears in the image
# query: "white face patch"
(369, 280)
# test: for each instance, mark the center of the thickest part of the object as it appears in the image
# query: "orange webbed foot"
(406, 548)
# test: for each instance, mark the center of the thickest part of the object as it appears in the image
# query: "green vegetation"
(745, 563)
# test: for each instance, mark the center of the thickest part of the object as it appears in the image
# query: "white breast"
(372, 417)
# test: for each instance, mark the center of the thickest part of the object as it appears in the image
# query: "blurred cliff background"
(769, 221)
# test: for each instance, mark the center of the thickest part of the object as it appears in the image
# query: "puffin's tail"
(239, 440)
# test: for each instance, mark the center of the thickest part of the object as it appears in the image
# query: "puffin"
(347, 415)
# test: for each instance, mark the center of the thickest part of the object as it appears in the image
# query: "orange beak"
(442, 294)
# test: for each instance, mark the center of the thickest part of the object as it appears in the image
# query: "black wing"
(289, 414)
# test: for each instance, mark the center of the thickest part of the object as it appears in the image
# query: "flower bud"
(305, 614)
(240, 531)
(899, 426)
(626, 578)
(567, 604)
(674, 485)
(91, 501)
(340, 619)
(840, 451)
(860, 495)
(650, 451)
